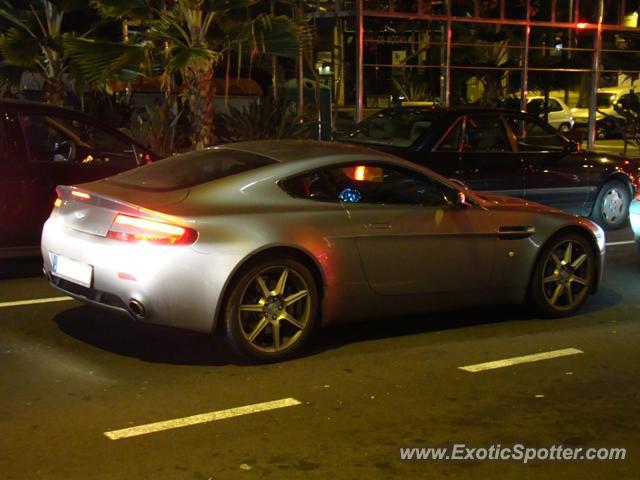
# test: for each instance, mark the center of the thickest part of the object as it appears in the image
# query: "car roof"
(293, 150)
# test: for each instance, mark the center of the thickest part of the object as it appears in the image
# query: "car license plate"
(72, 270)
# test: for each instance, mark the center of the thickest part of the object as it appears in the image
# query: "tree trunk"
(54, 91)
(200, 93)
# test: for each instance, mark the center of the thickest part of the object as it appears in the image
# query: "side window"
(535, 136)
(451, 141)
(65, 139)
(374, 183)
(554, 105)
(485, 133)
(312, 186)
(47, 140)
(384, 185)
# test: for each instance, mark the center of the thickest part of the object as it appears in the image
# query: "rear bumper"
(177, 286)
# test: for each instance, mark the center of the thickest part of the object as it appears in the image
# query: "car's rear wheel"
(611, 209)
(272, 309)
(563, 276)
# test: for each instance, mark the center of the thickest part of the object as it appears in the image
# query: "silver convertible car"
(267, 240)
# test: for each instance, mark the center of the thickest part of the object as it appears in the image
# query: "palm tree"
(183, 43)
(33, 42)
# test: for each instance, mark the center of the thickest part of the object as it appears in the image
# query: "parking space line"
(626, 242)
(507, 362)
(201, 418)
(34, 301)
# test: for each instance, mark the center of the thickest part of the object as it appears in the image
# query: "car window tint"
(312, 186)
(66, 139)
(554, 105)
(394, 127)
(190, 169)
(102, 145)
(535, 136)
(47, 139)
(384, 185)
(451, 142)
(485, 133)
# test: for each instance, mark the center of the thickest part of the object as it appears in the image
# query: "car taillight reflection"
(80, 195)
(137, 230)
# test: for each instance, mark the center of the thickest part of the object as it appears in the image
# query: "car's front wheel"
(272, 309)
(611, 209)
(563, 276)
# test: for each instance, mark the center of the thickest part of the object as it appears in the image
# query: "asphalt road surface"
(82, 392)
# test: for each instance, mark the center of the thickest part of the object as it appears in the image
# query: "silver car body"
(369, 260)
(559, 114)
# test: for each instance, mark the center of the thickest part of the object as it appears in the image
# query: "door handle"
(379, 226)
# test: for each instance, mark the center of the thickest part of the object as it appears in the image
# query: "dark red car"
(508, 153)
(42, 146)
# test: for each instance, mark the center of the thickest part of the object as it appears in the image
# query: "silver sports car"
(267, 240)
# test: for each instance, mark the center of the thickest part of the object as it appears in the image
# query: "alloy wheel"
(275, 309)
(566, 275)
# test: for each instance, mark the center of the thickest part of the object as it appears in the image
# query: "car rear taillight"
(57, 203)
(148, 159)
(137, 229)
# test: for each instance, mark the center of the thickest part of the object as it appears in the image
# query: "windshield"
(190, 169)
(393, 127)
(604, 100)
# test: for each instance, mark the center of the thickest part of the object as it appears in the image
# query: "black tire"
(611, 208)
(554, 289)
(269, 323)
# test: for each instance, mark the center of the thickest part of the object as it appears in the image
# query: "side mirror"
(572, 146)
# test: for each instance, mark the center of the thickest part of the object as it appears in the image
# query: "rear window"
(190, 169)
(394, 127)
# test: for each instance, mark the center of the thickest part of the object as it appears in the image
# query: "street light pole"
(595, 79)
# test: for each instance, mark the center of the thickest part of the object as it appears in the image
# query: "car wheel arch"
(576, 229)
(270, 251)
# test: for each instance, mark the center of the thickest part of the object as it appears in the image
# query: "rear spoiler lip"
(64, 192)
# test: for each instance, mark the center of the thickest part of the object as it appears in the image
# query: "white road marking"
(201, 418)
(507, 362)
(34, 301)
(626, 242)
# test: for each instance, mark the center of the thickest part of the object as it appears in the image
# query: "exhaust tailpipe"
(136, 308)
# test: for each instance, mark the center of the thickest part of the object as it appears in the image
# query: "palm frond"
(19, 20)
(18, 48)
(279, 36)
(226, 5)
(100, 60)
(142, 9)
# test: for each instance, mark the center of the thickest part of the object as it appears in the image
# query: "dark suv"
(42, 146)
(506, 152)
